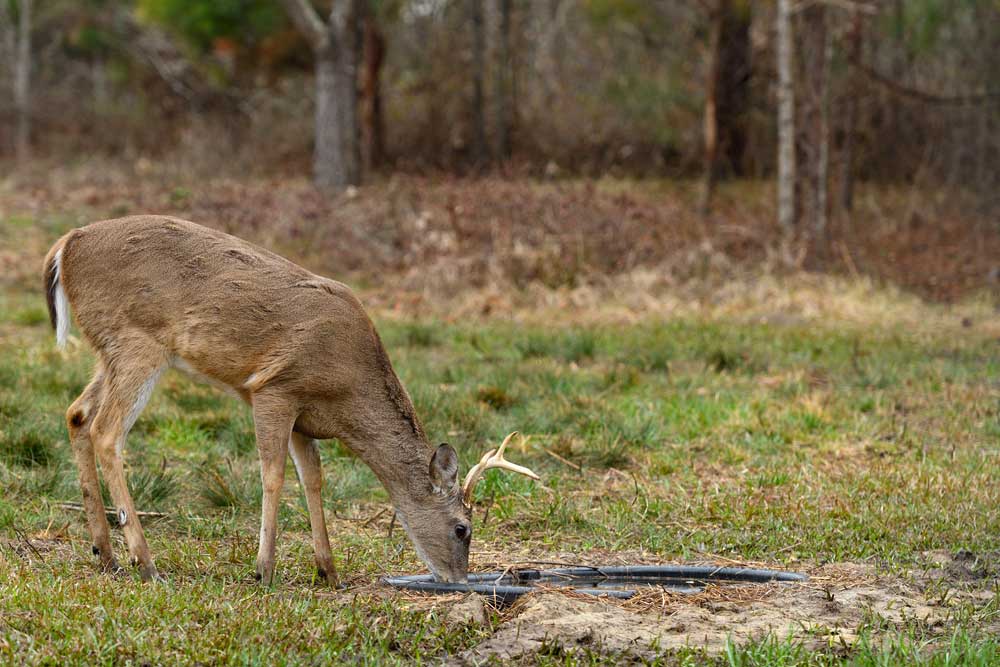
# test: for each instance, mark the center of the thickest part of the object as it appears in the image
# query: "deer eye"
(461, 531)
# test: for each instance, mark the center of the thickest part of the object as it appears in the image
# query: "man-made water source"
(614, 581)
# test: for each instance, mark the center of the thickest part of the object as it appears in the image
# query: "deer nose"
(452, 579)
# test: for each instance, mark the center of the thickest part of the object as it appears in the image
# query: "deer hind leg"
(273, 418)
(307, 464)
(79, 418)
(128, 384)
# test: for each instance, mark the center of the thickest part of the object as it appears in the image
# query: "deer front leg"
(273, 419)
(307, 464)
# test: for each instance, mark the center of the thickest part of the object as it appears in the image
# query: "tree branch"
(307, 22)
(343, 13)
(919, 95)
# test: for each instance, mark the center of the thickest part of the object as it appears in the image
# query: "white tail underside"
(62, 304)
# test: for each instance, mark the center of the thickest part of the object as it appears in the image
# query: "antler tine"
(492, 459)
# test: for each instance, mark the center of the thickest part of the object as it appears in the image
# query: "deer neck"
(388, 437)
(400, 461)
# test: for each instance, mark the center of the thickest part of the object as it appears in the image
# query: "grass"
(789, 443)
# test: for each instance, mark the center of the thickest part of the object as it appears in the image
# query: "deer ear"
(444, 468)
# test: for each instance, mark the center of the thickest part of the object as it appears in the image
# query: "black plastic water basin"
(618, 581)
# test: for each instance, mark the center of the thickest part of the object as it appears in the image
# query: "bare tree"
(725, 92)
(711, 118)
(335, 45)
(372, 116)
(850, 119)
(822, 170)
(548, 20)
(503, 81)
(8, 37)
(786, 119)
(22, 82)
(816, 47)
(478, 81)
(8, 47)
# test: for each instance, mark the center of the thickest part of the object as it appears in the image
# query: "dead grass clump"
(451, 234)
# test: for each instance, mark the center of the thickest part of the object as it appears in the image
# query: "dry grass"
(444, 234)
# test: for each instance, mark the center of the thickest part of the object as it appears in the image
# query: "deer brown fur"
(151, 292)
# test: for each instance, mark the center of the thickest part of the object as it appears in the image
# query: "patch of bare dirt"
(963, 567)
(827, 611)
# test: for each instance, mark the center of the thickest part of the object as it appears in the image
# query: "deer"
(151, 292)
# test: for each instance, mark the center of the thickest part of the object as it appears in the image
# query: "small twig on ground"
(560, 458)
(77, 507)
(548, 562)
(789, 547)
(636, 497)
(729, 560)
(24, 538)
(370, 520)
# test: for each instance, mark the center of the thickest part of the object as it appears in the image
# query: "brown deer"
(153, 292)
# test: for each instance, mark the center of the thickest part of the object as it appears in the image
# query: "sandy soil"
(826, 611)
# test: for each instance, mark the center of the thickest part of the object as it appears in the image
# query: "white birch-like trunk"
(786, 119)
(335, 44)
(327, 167)
(348, 40)
(336, 162)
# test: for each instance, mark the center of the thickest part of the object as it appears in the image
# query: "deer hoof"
(327, 576)
(264, 574)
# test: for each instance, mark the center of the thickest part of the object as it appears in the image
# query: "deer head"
(440, 525)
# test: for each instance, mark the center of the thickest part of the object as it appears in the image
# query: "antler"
(492, 459)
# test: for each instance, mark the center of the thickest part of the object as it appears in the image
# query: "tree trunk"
(850, 122)
(813, 146)
(823, 151)
(372, 122)
(8, 46)
(503, 82)
(336, 160)
(336, 44)
(710, 117)
(347, 25)
(22, 82)
(786, 120)
(817, 48)
(328, 169)
(726, 93)
(734, 83)
(479, 152)
(548, 18)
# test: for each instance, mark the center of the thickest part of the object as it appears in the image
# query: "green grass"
(779, 443)
(961, 648)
